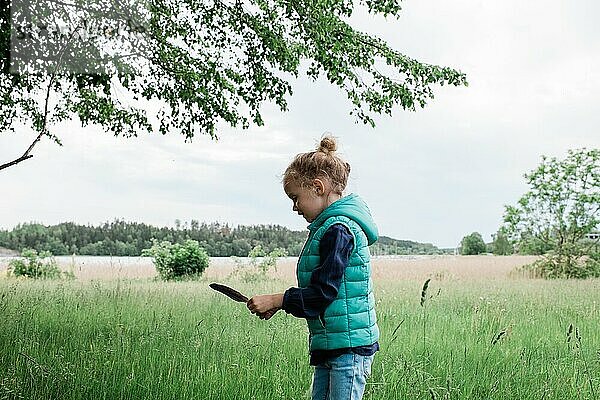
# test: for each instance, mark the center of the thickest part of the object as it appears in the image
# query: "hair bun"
(328, 145)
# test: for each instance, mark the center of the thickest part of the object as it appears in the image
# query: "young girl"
(335, 292)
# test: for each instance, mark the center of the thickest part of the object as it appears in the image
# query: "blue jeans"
(342, 378)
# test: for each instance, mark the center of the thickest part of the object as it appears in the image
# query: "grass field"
(483, 333)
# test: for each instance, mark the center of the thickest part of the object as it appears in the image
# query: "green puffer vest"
(349, 321)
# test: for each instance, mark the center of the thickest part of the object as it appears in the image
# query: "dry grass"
(448, 267)
(385, 269)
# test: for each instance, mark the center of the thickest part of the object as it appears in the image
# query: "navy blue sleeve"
(334, 251)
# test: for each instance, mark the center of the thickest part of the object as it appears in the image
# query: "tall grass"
(181, 340)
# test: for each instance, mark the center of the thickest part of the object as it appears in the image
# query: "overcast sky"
(433, 176)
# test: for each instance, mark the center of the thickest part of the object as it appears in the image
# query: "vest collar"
(353, 207)
(329, 211)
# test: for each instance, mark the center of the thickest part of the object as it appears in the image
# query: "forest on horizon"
(121, 238)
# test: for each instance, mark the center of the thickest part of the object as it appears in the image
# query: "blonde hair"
(321, 163)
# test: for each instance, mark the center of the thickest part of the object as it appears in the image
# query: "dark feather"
(229, 292)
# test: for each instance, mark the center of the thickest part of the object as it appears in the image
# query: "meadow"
(482, 332)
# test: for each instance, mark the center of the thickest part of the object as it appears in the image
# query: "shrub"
(501, 246)
(532, 246)
(552, 266)
(472, 244)
(37, 266)
(593, 264)
(259, 263)
(176, 261)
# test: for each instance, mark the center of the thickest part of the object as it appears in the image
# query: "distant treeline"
(120, 238)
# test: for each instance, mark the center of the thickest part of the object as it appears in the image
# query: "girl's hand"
(264, 303)
(267, 315)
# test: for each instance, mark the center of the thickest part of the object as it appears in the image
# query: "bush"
(176, 261)
(37, 266)
(533, 246)
(593, 264)
(501, 246)
(472, 244)
(259, 263)
(552, 266)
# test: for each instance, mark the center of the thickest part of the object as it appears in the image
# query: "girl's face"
(307, 201)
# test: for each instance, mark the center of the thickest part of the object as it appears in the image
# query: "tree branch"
(18, 160)
(44, 129)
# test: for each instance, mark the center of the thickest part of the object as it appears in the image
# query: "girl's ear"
(319, 186)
